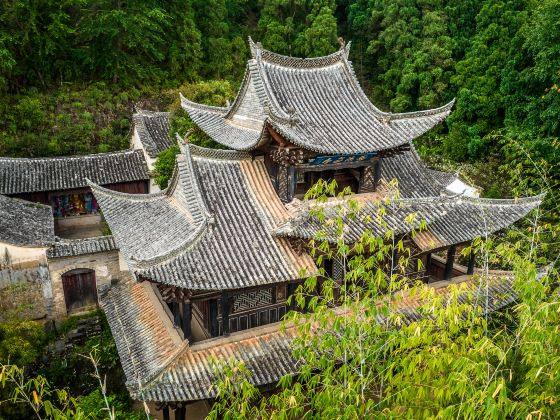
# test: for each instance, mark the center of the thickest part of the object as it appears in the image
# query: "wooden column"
(377, 173)
(428, 264)
(225, 313)
(290, 291)
(176, 313)
(213, 321)
(449, 263)
(292, 181)
(187, 318)
(470, 266)
(180, 413)
(165, 412)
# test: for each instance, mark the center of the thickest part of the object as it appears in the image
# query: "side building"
(55, 246)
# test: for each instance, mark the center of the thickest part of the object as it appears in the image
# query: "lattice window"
(249, 300)
(338, 269)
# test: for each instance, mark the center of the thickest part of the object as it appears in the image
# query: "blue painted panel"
(325, 160)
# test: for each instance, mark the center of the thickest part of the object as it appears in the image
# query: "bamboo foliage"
(361, 357)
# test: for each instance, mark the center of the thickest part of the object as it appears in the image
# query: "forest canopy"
(70, 71)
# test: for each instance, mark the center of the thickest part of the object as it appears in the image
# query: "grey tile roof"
(415, 180)
(315, 103)
(462, 219)
(159, 368)
(153, 131)
(21, 175)
(25, 224)
(450, 220)
(210, 230)
(74, 247)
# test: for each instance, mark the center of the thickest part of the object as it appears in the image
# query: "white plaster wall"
(137, 144)
(14, 255)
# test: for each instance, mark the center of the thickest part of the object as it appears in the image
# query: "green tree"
(365, 360)
(481, 106)
(304, 28)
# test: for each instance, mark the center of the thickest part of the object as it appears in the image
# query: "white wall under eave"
(459, 187)
(137, 144)
(25, 283)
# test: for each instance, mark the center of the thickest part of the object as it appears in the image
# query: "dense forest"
(70, 71)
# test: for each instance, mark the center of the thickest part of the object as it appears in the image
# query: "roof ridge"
(188, 103)
(297, 62)
(218, 154)
(90, 156)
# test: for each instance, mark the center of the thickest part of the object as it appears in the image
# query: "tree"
(480, 103)
(300, 28)
(366, 360)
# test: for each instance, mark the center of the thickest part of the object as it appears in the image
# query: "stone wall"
(25, 287)
(105, 265)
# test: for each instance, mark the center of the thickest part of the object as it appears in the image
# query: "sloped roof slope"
(449, 220)
(315, 103)
(153, 131)
(209, 235)
(25, 224)
(22, 175)
(159, 368)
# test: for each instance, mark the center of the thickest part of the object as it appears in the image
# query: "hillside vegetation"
(71, 70)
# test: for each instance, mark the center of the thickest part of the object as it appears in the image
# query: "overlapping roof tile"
(153, 131)
(211, 229)
(22, 175)
(159, 369)
(449, 219)
(314, 103)
(25, 224)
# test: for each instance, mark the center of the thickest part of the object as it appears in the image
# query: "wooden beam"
(277, 137)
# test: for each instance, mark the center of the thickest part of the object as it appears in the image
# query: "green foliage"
(300, 28)
(362, 360)
(21, 342)
(213, 92)
(165, 165)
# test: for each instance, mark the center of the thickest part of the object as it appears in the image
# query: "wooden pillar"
(470, 266)
(213, 321)
(180, 413)
(428, 264)
(165, 412)
(176, 314)
(292, 181)
(225, 313)
(377, 173)
(449, 263)
(290, 291)
(187, 318)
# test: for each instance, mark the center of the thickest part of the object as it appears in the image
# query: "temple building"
(60, 182)
(209, 263)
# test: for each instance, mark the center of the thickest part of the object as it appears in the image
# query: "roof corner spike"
(255, 47)
(341, 43)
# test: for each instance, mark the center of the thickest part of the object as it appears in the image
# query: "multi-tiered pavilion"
(215, 256)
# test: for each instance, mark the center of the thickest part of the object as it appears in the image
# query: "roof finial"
(341, 42)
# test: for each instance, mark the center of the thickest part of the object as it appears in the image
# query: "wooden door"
(80, 289)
